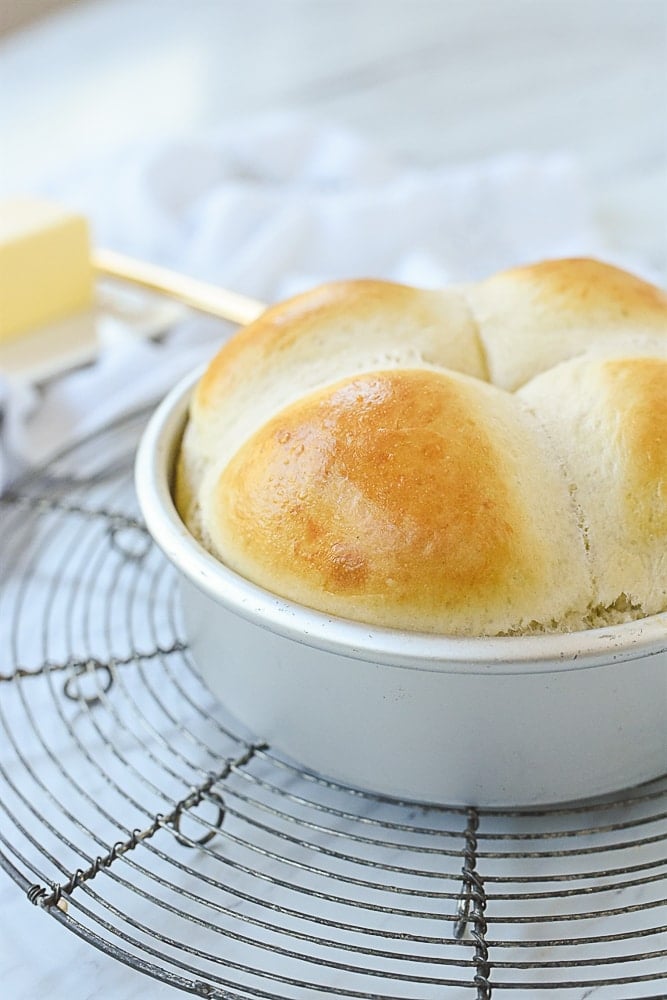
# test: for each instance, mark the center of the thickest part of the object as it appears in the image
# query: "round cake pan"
(512, 721)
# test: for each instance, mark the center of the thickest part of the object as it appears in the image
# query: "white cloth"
(267, 210)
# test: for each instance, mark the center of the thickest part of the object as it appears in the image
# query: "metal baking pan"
(516, 721)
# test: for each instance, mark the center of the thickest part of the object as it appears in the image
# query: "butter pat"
(45, 265)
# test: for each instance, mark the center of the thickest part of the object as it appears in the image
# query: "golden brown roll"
(530, 318)
(607, 417)
(348, 452)
(312, 340)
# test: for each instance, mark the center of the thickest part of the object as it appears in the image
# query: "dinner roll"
(312, 340)
(530, 318)
(348, 451)
(607, 417)
(423, 498)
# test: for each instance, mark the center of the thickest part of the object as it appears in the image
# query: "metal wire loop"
(35, 893)
(210, 834)
(71, 688)
(131, 541)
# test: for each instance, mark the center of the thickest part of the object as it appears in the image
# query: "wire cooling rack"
(140, 817)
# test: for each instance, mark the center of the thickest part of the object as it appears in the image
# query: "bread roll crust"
(637, 395)
(608, 419)
(531, 318)
(347, 451)
(402, 498)
(338, 328)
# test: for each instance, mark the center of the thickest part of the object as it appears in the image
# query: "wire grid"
(133, 811)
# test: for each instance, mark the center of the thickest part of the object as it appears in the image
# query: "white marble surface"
(437, 82)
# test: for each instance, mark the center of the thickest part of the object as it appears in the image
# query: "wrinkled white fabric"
(270, 209)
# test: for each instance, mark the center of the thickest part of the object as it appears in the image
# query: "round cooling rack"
(134, 812)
